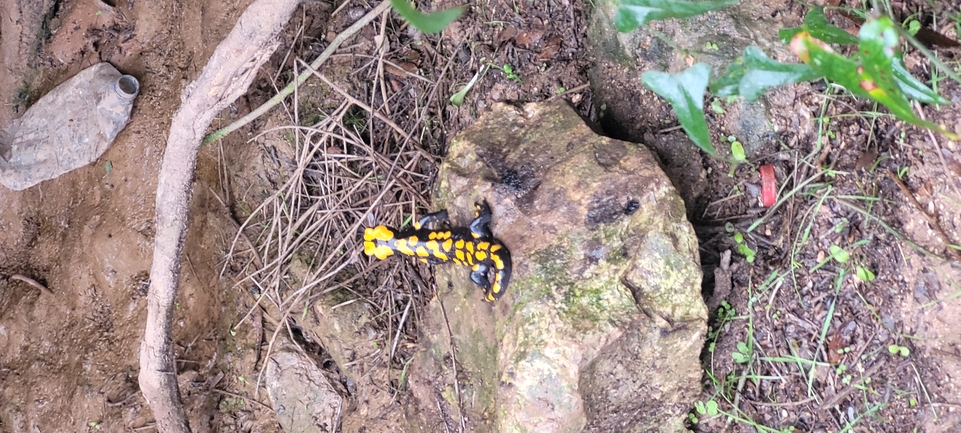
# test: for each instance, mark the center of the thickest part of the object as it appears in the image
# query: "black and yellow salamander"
(472, 246)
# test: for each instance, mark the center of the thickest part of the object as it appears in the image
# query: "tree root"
(228, 74)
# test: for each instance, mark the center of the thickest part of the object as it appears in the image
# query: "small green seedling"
(743, 248)
(913, 27)
(839, 254)
(737, 154)
(864, 274)
(458, 98)
(899, 350)
(716, 106)
(508, 70)
(703, 408)
(743, 354)
(903, 171)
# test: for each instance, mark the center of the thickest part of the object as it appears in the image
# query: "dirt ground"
(819, 339)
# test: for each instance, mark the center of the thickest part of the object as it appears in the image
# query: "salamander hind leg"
(479, 276)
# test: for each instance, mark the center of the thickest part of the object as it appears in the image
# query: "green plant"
(428, 23)
(743, 248)
(895, 349)
(508, 71)
(874, 72)
(703, 408)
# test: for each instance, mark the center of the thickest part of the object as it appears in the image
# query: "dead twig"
(228, 73)
(31, 282)
(283, 94)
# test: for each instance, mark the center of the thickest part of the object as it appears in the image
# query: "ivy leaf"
(762, 73)
(728, 84)
(685, 91)
(868, 76)
(913, 88)
(433, 22)
(816, 23)
(632, 14)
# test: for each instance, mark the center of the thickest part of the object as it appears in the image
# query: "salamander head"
(376, 241)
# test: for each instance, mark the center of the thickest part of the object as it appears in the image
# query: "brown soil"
(68, 359)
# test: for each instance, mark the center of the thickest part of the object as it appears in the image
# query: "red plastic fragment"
(768, 186)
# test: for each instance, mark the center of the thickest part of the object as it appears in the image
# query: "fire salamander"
(472, 246)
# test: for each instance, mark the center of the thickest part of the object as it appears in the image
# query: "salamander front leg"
(433, 217)
(480, 227)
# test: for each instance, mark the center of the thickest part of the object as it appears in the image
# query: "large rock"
(603, 323)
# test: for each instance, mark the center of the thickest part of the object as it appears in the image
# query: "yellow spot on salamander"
(498, 263)
(401, 245)
(495, 247)
(470, 247)
(421, 251)
(459, 244)
(432, 246)
(483, 245)
(480, 255)
(460, 255)
(441, 255)
(379, 251)
(475, 267)
(447, 244)
(413, 240)
(379, 233)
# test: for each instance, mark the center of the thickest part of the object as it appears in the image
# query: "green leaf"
(756, 72)
(762, 73)
(868, 77)
(839, 254)
(912, 87)
(712, 407)
(685, 92)
(816, 23)
(433, 22)
(879, 40)
(913, 27)
(737, 151)
(785, 35)
(865, 274)
(699, 407)
(458, 98)
(728, 84)
(632, 14)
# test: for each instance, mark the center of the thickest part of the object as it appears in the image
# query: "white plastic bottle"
(67, 128)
